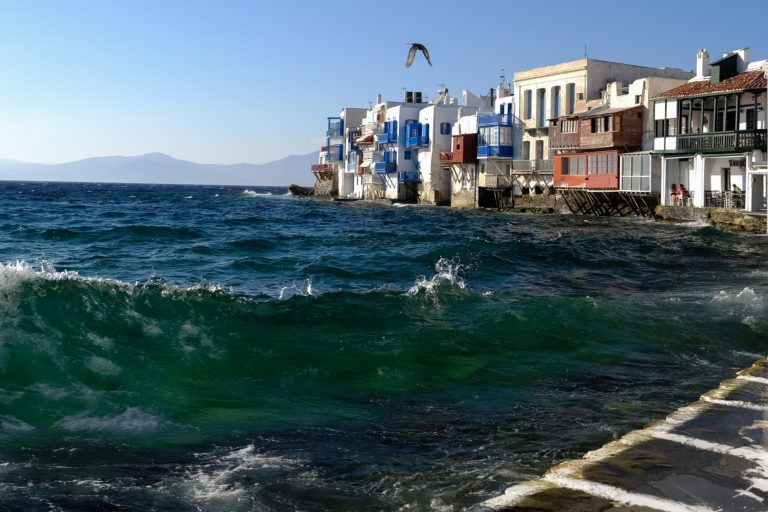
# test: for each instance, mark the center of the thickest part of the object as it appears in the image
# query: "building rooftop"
(749, 80)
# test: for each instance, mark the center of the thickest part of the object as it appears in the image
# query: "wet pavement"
(711, 455)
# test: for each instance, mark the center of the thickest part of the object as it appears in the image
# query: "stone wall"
(726, 219)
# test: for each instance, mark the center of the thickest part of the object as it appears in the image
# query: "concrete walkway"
(709, 456)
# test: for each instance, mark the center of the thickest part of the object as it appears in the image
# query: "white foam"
(10, 424)
(695, 224)
(102, 366)
(253, 193)
(222, 479)
(305, 290)
(132, 420)
(448, 273)
(13, 274)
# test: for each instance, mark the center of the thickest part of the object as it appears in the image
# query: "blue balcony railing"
(386, 138)
(495, 151)
(413, 142)
(409, 177)
(385, 167)
(495, 120)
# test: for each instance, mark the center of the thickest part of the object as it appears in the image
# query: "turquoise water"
(219, 348)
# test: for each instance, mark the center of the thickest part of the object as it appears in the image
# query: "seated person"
(673, 193)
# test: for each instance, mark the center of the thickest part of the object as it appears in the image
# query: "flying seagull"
(412, 54)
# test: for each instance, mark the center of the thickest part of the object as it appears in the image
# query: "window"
(539, 150)
(659, 128)
(527, 150)
(750, 119)
(528, 104)
(407, 154)
(570, 96)
(556, 101)
(602, 124)
(671, 127)
(445, 128)
(541, 113)
(569, 126)
(636, 173)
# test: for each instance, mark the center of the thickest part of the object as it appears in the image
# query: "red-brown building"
(590, 144)
(463, 149)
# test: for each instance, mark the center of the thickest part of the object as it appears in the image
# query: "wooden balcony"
(560, 140)
(723, 141)
(495, 180)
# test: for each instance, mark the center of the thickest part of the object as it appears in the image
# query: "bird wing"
(426, 53)
(411, 56)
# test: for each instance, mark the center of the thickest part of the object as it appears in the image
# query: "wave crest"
(253, 193)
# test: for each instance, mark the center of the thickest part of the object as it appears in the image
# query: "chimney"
(702, 64)
(378, 99)
(743, 59)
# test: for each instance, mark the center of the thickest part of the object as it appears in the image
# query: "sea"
(206, 348)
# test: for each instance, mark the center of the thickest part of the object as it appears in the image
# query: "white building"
(711, 133)
(550, 92)
(332, 176)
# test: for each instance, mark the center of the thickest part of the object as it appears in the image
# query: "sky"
(231, 81)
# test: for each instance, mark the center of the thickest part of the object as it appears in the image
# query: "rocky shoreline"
(734, 221)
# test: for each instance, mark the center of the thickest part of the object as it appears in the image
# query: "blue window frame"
(556, 102)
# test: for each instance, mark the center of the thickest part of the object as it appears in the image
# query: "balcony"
(494, 151)
(385, 167)
(386, 138)
(740, 141)
(322, 171)
(495, 120)
(334, 153)
(409, 177)
(495, 181)
(416, 142)
(416, 134)
(335, 127)
(531, 166)
(563, 140)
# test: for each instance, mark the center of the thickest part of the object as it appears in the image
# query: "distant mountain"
(161, 168)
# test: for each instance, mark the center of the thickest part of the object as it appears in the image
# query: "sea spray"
(447, 274)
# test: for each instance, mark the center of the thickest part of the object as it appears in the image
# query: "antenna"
(585, 50)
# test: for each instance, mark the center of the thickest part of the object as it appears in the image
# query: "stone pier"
(711, 455)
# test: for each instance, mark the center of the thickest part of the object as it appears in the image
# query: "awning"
(365, 139)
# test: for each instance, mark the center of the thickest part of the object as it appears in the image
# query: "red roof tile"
(741, 82)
